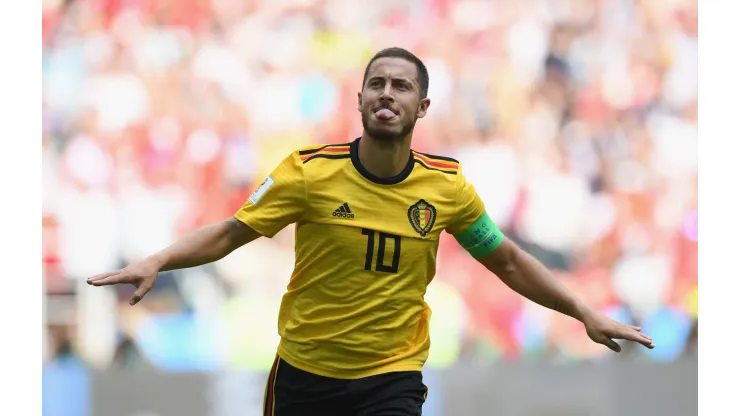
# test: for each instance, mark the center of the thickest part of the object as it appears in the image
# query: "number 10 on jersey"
(382, 241)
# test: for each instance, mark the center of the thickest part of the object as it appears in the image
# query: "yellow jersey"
(365, 251)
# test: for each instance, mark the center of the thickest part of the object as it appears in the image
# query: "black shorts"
(294, 392)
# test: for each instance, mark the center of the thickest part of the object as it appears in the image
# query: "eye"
(401, 86)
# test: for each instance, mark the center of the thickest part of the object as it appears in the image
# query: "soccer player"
(353, 323)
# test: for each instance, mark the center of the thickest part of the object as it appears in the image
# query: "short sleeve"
(470, 207)
(280, 200)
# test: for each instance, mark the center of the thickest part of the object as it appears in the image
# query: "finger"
(622, 330)
(139, 294)
(647, 341)
(611, 344)
(636, 328)
(636, 334)
(102, 276)
(644, 336)
(112, 280)
(639, 337)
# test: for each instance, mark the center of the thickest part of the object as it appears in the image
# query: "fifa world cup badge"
(257, 195)
(422, 216)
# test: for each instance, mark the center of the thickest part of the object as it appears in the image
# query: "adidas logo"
(343, 212)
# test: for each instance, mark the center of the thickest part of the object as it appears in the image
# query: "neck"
(384, 158)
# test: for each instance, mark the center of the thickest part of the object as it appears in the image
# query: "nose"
(387, 94)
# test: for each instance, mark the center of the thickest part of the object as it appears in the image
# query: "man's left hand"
(604, 330)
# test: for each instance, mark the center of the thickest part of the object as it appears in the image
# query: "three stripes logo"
(343, 212)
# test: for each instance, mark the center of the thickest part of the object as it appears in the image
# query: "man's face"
(390, 101)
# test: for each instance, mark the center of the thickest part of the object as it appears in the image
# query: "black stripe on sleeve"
(311, 151)
(446, 159)
(326, 156)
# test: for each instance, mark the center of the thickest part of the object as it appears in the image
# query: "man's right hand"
(142, 275)
(202, 246)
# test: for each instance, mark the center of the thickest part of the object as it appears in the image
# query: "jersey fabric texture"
(365, 251)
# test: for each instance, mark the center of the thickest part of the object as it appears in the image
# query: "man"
(368, 215)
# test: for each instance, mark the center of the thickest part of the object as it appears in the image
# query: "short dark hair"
(422, 75)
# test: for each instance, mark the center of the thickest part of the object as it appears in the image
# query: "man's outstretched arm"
(280, 200)
(479, 235)
(202, 246)
(527, 276)
(205, 245)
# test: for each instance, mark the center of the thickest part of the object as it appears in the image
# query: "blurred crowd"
(576, 120)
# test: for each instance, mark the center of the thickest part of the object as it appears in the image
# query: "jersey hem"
(345, 375)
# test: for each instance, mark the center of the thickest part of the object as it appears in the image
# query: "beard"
(383, 132)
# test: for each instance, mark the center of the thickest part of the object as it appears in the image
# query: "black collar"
(354, 155)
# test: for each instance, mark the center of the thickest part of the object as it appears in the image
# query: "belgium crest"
(422, 216)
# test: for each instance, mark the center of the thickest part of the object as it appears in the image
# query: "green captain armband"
(481, 238)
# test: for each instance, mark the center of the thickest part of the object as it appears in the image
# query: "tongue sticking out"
(384, 114)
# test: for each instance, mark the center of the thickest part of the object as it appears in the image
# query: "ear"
(359, 101)
(423, 107)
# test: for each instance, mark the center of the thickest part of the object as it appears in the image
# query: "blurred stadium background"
(575, 119)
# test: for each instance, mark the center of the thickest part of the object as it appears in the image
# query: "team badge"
(421, 216)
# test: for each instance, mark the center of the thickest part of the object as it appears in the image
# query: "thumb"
(611, 344)
(139, 294)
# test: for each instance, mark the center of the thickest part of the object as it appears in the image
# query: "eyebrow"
(402, 79)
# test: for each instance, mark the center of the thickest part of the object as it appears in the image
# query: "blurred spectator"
(65, 378)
